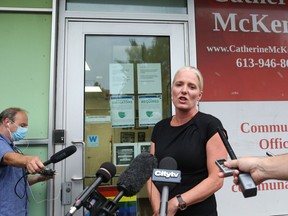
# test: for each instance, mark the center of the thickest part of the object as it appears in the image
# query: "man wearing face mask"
(14, 182)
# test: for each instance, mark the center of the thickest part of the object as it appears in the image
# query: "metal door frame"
(70, 89)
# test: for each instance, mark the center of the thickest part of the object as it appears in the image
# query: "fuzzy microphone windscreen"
(137, 174)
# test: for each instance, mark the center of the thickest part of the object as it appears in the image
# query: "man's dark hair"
(10, 113)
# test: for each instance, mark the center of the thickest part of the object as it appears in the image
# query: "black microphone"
(246, 183)
(165, 179)
(131, 181)
(104, 174)
(61, 155)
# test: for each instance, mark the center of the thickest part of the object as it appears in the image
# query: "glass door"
(132, 70)
(118, 81)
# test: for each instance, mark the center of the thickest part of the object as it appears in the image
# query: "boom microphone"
(131, 180)
(104, 174)
(165, 179)
(61, 155)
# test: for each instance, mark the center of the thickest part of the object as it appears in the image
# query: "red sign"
(242, 49)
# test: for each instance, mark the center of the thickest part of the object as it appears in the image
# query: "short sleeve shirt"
(13, 195)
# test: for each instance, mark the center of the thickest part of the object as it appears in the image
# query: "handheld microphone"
(165, 179)
(104, 174)
(131, 181)
(246, 183)
(61, 155)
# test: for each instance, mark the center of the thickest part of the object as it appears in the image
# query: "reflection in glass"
(111, 61)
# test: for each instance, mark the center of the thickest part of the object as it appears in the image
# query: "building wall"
(25, 42)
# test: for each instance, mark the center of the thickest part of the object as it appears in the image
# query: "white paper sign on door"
(149, 78)
(121, 79)
(122, 111)
(150, 110)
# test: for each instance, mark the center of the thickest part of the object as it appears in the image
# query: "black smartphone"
(226, 170)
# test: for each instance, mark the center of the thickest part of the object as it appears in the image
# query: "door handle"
(77, 179)
(82, 143)
(78, 142)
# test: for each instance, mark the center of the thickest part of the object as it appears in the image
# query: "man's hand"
(33, 164)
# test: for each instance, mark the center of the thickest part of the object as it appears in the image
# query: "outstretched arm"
(33, 164)
(38, 178)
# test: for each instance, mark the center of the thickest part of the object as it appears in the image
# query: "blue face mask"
(19, 134)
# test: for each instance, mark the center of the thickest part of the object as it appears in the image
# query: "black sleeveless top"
(187, 145)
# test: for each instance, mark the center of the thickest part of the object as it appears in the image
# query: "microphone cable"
(17, 150)
(25, 185)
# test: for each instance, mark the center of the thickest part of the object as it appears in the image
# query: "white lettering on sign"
(166, 174)
(255, 23)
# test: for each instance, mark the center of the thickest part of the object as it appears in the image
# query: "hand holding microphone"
(246, 182)
(61, 155)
